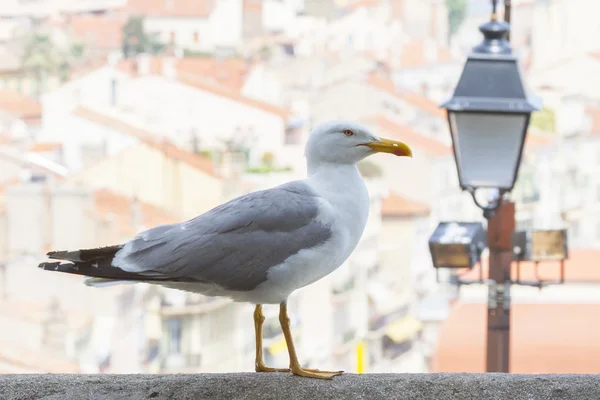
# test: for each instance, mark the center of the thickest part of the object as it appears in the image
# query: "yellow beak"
(390, 146)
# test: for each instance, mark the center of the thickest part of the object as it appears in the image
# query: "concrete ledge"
(284, 386)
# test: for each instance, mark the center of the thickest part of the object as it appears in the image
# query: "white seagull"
(259, 247)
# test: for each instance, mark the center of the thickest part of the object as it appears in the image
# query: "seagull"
(260, 247)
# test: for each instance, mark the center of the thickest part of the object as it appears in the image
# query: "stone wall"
(283, 386)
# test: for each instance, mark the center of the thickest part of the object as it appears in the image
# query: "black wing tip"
(49, 266)
(55, 253)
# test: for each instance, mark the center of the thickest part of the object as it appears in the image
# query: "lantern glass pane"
(488, 147)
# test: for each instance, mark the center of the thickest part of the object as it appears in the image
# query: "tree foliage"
(457, 11)
(545, 120)
(42, 57)
(136, 40)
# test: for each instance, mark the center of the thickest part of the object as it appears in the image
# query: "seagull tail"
(95, 264)
(97, 254)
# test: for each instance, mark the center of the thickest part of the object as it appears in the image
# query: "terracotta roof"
(33, 311)
(414, 54)
(171, 8)
(45, 146)
(411, 137)
(6, 184)
(229, 72)
(20, 105)
(170, 150)
(413, 98)
(535, 140)
(87, 66)
(422, 102)
(252, 6)
(110, 203)
(545, 338)
(113, 123)
(97, 31)
(582, 266)
(362, 3)
(398, 206)
(3, 186)
(594, 114)
(222, 91)
(5, 138)
(35, 360)
(220, 77)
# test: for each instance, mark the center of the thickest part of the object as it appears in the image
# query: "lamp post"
(488, 116)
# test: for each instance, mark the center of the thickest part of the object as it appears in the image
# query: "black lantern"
(489, 113)
(457, 244)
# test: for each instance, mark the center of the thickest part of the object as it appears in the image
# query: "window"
(113, 92)
(293, 136)
(575, 229)
(174, 335)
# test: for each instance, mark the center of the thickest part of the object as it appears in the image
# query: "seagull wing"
(233, 245)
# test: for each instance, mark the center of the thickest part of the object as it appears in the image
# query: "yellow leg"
(259, 365)
(284, 320)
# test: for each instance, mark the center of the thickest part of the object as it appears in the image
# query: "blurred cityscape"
(120, 115)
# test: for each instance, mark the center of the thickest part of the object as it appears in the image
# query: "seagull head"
(346, 142)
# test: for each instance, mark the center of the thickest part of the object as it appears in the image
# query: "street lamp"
(489, 115)
(457, 245)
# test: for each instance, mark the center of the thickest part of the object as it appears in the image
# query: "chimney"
(430, 51)
(114, 57)
(71, 225)
(55, 327)
(168, 67)
(27, 218)
(143, 63)
(136, 214)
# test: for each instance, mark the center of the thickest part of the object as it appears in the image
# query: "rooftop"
(220, 77)
(395, 205)
(545, 338)
(414, 139)
(110, 203)
(413, 98)
(582, 266)
(42, 147)
(228, 72)
(356, 4)
(593, 114)
(148, 138)
(20, 105)
(97, 31)
(171, 8)
(415, 53)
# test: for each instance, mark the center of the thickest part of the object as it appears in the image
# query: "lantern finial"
(494, 33)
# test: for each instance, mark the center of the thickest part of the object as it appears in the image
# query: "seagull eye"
(348, 132)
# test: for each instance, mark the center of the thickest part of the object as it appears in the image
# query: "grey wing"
(233, 245)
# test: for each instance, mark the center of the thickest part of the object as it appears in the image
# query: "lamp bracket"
(489, 209)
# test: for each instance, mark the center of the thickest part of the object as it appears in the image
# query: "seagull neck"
(333, 175)
(328, 170)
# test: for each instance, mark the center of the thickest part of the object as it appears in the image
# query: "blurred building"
(201, 114)
(552, 330)
(394, 339)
